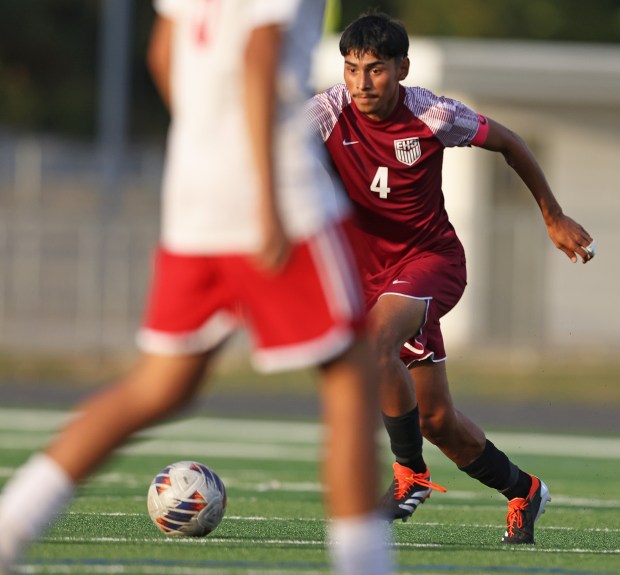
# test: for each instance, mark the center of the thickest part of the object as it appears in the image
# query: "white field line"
(526, 549)
(120, 569)
(228, 517)
(132, 480)
(297, 543)
(322, 520)
(148, 569)
(230, 450)
(184, 540)
(260, 439)
(257, 430)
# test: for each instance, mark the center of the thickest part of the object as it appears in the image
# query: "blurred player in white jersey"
(249, 231)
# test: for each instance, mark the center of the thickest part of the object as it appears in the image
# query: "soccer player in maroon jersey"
(386, 141)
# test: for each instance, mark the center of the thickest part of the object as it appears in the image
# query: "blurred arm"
(159, 56)
(261, 61)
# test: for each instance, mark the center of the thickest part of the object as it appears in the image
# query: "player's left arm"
(260, 69)
(567, 235)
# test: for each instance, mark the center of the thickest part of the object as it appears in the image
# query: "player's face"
(374, 83)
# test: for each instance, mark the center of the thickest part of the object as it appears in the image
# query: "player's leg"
(393, 320)
(358, 530)
(187, 315)
(320, 322)
(349, 401)
(458, 437)
(153, 390)
(465, 443)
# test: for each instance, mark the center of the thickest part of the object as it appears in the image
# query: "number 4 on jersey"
(380, 182)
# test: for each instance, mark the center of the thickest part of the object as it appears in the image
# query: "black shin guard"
(494, 469)
(406, 439)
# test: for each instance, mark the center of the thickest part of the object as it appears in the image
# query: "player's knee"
(386, 352)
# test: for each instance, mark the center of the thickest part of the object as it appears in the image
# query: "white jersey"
(210, 197)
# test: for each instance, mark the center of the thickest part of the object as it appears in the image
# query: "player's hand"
(571, 238)
(276, 247)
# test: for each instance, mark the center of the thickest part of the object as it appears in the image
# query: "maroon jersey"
(391, 170)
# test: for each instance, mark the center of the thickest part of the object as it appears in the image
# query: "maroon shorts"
(301, 316)
(440, 280)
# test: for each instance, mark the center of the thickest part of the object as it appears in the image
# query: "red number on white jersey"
(205, 22)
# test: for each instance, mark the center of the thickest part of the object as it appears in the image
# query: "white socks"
(31, 499)
(361, 545)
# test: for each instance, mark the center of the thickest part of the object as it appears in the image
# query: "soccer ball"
(187, 499)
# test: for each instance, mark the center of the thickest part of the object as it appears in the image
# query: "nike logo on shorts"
(349, 142)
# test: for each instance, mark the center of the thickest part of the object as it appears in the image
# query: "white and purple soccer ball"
(187, 499)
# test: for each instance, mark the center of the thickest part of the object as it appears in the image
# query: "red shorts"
(304, 315)
(440, 279)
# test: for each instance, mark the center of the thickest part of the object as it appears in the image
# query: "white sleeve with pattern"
(452, 122)
(324, 109)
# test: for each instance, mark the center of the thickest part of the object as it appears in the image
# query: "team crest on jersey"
(408, 150)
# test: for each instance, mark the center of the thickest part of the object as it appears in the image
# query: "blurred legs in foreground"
(155, 389)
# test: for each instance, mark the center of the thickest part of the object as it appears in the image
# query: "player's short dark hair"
(375, 33)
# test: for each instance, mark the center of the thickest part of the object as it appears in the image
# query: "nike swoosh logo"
(400, 282)
(349, 143)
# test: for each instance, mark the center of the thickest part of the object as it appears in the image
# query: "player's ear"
(403, 68)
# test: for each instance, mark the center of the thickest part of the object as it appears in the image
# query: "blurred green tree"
(568, 20)
(47, 55)
(49, 59)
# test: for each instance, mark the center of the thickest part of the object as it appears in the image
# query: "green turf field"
(275, 523)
